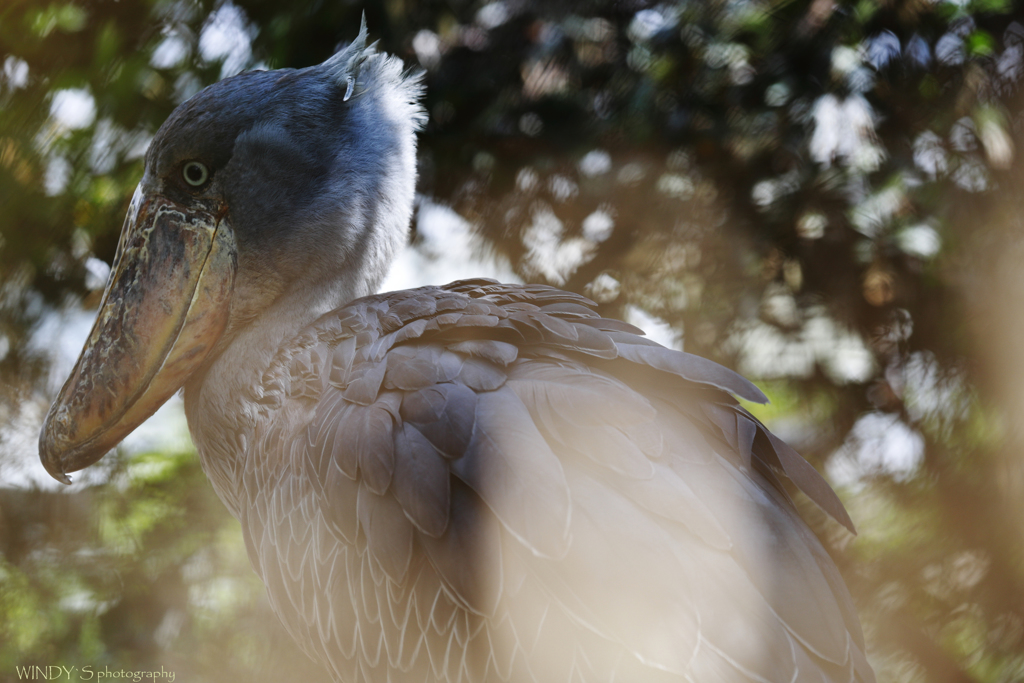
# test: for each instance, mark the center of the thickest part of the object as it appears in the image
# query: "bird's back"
(483, 482)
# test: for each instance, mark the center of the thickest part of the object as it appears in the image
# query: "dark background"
(824, 195)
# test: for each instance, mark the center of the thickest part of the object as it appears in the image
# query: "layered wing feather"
(484, 482)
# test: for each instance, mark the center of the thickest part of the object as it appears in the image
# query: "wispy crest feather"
(345, 65)
(349, 66)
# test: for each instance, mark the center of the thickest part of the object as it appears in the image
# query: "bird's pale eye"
(195, 173)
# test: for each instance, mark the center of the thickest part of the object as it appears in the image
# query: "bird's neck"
(222, 404)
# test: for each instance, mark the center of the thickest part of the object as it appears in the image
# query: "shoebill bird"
(471, 482)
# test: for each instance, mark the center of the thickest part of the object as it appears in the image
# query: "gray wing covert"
(493, 483)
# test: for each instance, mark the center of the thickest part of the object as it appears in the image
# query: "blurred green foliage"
(145, 572)
(825, 195)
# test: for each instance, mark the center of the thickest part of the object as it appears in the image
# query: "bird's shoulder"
(411, 352)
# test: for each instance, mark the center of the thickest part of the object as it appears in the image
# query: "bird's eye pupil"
(195, 173)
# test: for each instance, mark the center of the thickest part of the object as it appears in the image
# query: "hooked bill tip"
(53, 464)
(55, 470)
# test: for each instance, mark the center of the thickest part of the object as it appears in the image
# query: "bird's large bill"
(165, 306)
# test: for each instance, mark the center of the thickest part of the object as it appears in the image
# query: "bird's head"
(258, 187)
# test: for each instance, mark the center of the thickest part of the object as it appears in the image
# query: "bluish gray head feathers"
(317, 166)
